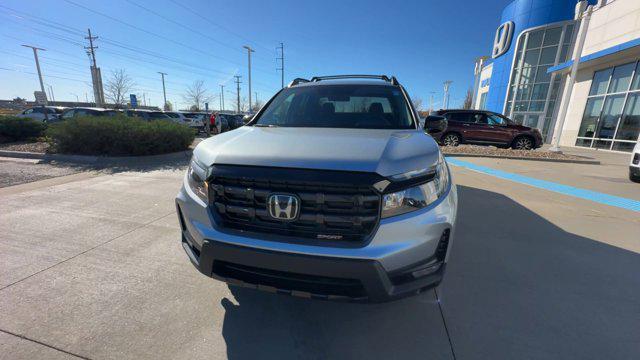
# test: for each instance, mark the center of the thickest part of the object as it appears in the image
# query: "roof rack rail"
(297, 81)
(392, 80)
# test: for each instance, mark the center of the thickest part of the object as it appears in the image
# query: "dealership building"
(528, 75)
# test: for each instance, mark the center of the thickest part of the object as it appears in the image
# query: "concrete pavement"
(93, 268)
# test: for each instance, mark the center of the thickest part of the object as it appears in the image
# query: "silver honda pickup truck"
(332, 191)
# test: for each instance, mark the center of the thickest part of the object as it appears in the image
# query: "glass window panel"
(518, 118)
(535, 39)
(526, 75)
(520, 106)
(541, 75)
(636, 81)
(536, 106)
(531, 120)
(524, 92)
(545, 127)
(550, 108)
(568, 35)
(564, 53)
(518, 56)
(590, 117)
(540, 91)
(610, 116)
(630, 123)
(531, 57)
(623, 146)
(600, 82)
(556, 87)
(552, 36)
(621, 78)
(548, 55)
(602, 144)
(584, 142)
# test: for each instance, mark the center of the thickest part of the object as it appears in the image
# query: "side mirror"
(247, 118)
(435, 124)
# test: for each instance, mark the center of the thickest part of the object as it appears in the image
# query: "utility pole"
(256, 94)
(86, 98)
(221, 97)
(96, 76)
(445, 101)
(35, 55)
(144, 99)
(281, 68)
(238, 90)
(431, 100)
(164, 92)
(249, 51)
(53, 98)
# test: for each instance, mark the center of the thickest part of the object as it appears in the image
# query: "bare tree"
(118, 86)
(417, 104)
(196, 95)
(468, 100)
(256, 106)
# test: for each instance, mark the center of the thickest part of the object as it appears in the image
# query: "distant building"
(531, 59)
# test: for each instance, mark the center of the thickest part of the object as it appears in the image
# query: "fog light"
(426, 271)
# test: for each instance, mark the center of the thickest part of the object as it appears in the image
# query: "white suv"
(634, 166)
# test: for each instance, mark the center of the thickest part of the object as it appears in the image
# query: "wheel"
(451, 139)
(522, 143)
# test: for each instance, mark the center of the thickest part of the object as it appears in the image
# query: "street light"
(249, 51)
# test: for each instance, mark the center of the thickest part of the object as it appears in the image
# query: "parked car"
(178, 117)
(235, 121)
(486, 128)
(148, 115)
(197, 120)
(220, 122)
(634, 165)
(87, 111)
(38, 113)
(332, 192)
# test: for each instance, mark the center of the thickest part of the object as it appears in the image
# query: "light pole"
(249, 51)
(445, 101)
(164, 92)
(221, 97)
(35, 55)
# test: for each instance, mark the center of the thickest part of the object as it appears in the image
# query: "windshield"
(339, 106)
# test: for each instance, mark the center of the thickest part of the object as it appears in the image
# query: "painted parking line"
(598, 197)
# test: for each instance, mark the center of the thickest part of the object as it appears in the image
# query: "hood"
(386, 152)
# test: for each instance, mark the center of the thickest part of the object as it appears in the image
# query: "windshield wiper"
(265, 125)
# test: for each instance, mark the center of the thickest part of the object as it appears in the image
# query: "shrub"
(14, 128)
(118, 135)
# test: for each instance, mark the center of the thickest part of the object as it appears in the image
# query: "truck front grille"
(334, 205)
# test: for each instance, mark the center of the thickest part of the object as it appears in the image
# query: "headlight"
(196, 176)
(417, 197)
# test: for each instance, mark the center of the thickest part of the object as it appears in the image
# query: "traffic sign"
(41, 97)
(134, 100)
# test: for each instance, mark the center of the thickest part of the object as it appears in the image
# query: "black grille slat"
(347, 210)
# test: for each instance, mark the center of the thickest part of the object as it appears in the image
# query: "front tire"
(451, 139)
(522, 143)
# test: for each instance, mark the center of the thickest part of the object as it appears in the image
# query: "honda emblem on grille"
(283, 206)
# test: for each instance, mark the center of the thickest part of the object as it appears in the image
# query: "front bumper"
(407, 254)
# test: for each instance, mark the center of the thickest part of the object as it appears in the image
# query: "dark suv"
(485, 128)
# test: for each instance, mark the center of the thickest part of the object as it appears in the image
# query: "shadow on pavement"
(269, 326)
(519, 286)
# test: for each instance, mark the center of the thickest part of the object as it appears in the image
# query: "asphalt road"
(92, 267)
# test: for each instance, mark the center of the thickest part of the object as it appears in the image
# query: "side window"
(80, 112)
(69, 114)
(37, 111)
(495, 120)
(478, 118)
(28, 111)
(459, 117)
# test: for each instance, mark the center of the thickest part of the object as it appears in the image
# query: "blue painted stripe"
(606, 199)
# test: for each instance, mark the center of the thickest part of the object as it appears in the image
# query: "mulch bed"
(491, 151)
(36, 147)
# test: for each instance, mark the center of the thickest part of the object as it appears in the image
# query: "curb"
(100, 160)
(572, 161)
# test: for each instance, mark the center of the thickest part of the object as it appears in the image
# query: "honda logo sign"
(502, 41)
(283, 207)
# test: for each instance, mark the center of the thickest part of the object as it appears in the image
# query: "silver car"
(43, 113)
(332, 191)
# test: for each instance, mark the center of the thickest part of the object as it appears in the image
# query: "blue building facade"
(524, 14)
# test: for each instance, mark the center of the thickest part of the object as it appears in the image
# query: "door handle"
(465, 124)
